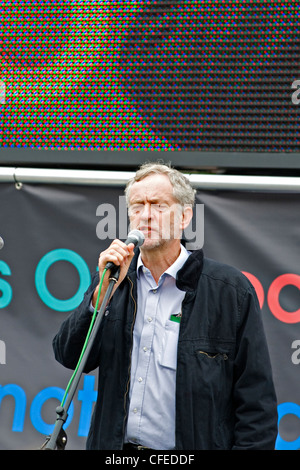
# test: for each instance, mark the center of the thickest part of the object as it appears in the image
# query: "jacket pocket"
(213, 355)
(213, 349)
(213, 361)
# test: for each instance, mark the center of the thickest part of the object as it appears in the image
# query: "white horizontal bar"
(245, 182)
(55, 176)
(102, 178)
(7, 174)
(119, 178)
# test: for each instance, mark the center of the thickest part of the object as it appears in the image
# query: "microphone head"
(1, 243)
(137, 237)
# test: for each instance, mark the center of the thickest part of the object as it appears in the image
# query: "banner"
(53, 235)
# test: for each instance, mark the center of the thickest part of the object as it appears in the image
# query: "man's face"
(154, 211)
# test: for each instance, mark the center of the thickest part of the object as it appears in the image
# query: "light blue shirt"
(151, 415)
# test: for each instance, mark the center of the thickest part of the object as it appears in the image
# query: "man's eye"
(135, 208)
(159, 207)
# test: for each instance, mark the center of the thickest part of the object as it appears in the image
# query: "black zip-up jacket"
(225, 396)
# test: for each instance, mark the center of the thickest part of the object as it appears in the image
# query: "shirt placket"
(144, 356)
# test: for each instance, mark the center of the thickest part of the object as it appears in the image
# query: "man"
(182, 357)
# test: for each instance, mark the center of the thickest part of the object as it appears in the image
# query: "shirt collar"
(173, 269)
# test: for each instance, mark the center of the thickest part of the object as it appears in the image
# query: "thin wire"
(86, 340)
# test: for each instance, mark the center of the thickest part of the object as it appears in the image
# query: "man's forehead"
(154, 186)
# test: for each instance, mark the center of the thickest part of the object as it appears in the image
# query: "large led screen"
(167, 75)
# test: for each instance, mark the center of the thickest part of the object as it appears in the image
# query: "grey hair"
(182, 189)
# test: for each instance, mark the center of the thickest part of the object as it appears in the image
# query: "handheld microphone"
(136, 237)
(1, 243)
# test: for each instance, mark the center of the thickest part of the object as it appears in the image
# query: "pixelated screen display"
(171, 75)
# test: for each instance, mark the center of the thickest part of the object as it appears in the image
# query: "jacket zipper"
(129, 369)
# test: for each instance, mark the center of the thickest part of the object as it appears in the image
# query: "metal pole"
(119, 178)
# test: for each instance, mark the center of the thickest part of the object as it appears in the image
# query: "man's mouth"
(148, 231)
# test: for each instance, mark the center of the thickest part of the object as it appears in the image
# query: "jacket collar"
(187, 277)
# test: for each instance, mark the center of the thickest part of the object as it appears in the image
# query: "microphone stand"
(58, 439)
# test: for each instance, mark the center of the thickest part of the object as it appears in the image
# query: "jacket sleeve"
(69, 341)
(254, 393)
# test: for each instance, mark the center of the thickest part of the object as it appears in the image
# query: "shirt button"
(154, 291)
(145, 349)
(149, 319)
(140, 379)
(135, 410)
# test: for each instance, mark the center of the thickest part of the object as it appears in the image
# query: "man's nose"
(146, 211)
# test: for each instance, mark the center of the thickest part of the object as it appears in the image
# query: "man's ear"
(187, 215)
